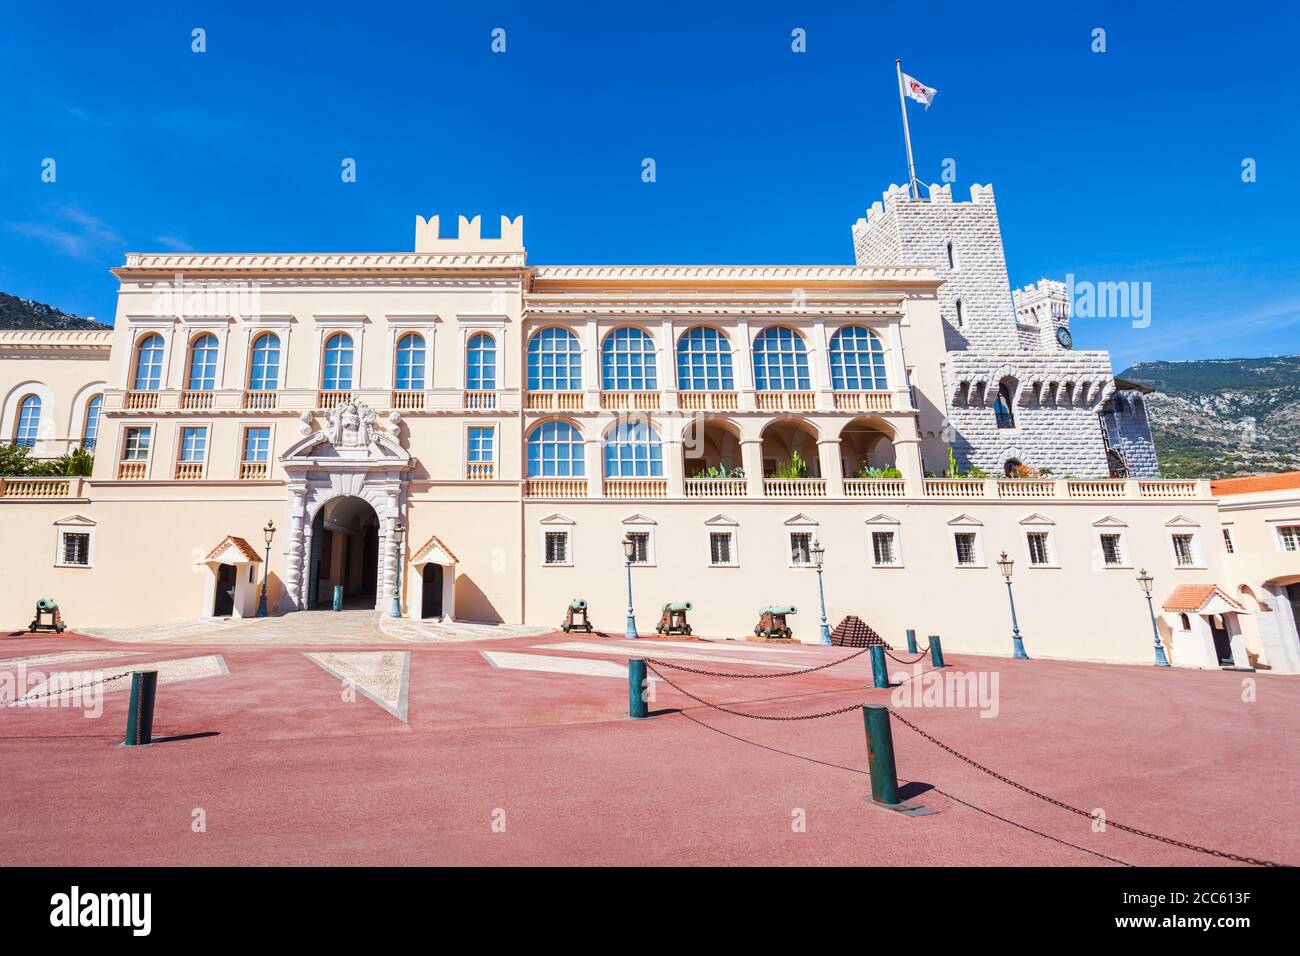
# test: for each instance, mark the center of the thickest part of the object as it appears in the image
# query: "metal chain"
(65, 690)
(737, 713)
(806, 670)
(1081, 812)
(899, 660)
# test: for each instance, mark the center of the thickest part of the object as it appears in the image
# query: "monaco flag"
(918, 90)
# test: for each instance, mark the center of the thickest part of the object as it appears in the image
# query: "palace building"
(477, 435)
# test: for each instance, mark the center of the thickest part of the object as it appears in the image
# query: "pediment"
(800, 518)
(557, 519)
(1181, 521)
(232, 550)
(1109, 521)
(434, 551)
(965, 519)
(351, 434)
(1036, 519)
(721, 521)
(639, 519)
(76, 521)
(883, 519)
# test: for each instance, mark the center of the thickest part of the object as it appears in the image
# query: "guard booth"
(432, 586)
(234, 581)
(1204, 627)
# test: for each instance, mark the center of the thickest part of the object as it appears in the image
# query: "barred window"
(800, 548)
(720, 553)
(1183, 553)
(882, 548)
(1038, 551)
(1111, 550)
(1227, 541)
(640, 546)
(557, 547)
(965, 544)
(76, 548)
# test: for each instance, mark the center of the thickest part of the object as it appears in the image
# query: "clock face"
(1063, 336)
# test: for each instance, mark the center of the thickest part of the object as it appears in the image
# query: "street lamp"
(268, 532)
(398, 529)
(629, 552)
(819, 556)
(1145, 581)
(1005, 564)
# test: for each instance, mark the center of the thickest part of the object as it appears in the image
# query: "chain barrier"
(64, 690)
(738, 713)
(1237, 858)
(806, 670)
(899, 660)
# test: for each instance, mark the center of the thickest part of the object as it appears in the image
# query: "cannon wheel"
(564, 628)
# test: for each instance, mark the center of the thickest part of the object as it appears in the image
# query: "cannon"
(771, 621)
(47, 608)
(575, 617)
(673, 619)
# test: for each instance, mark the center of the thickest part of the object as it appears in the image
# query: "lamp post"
(268, 532)
(629, 552)
(1145, 581)
(819, 556)
(1005, 564)
(398, 529)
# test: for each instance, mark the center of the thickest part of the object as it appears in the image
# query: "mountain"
(16, 313)
(1216, 418)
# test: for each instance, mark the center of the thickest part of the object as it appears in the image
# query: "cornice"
(316, 262)
(733, 273)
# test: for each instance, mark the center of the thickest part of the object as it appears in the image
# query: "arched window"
(555, 450)
(29, 421)
(408, 374)
(481, 363)
(1002, 408)
(780, 361)
(203, 363)
(90, 433)
(627, 361)
(264, 366)
(857, 360)
(149, 363)
(632, 450)
(336, 369)
(704, 361)
(554, 361)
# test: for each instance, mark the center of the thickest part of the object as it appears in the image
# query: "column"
(751, 457)
(591, 361)
(896, 368)
(674, 468)
(819, 366)
(742, 364)
(594, 467)
(828, 450)
(907, 455)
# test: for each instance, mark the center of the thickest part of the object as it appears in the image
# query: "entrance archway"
(344, 553)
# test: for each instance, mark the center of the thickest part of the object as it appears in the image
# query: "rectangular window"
(1227, 541)
(136, 444)
(480, 444)
(720, 551)
(76, 548)
(1183, 554)
(557, 547)
(800, 548)
(1112, 551)
(965, 544)
(257, 444)
(883, 550)
(1038, 551)
(194, 443)
(1288, 535)
(640, 546)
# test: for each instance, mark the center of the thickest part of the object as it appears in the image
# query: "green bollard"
(911, 641)
(879, 673)
(139, 716)
(936, 651)
(338, 598)
(880, 754)
(636, 689)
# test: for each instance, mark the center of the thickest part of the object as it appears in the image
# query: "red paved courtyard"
(286, 771)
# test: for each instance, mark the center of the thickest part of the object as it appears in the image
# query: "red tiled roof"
(1193, 597)
(240, 545)
(434, 540)
(1251, 483)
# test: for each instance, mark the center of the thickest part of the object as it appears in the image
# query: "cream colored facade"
(550, 412)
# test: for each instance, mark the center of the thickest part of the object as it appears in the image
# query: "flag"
(918, 90)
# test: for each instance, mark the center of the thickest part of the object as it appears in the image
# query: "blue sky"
(1118, 166)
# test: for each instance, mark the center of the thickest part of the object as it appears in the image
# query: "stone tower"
(1017, 392)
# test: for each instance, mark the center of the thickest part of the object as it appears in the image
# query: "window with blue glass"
(264, 371)
(481, 363)
(90, 433)
(257, 444)
(632, 450)
(203, 363)
(194, 443)
(555, 450)
(29, 422)
(857, 360)
(149, 363)
(480, 444)
(704, 361)
(554, 361)
(1002, 414)
(780, 361)
(336, 369)
(627, 361)
(409, 375)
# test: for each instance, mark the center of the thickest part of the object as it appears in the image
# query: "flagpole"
(907, 133)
